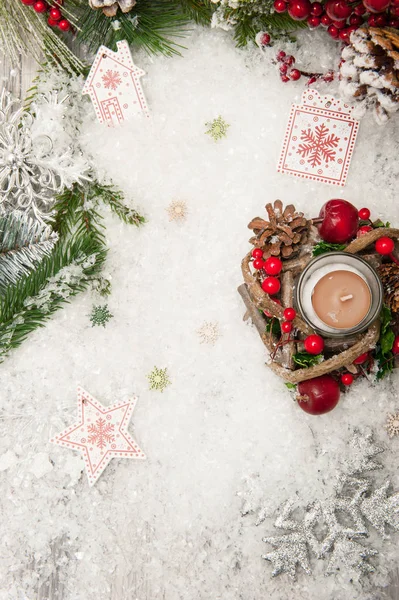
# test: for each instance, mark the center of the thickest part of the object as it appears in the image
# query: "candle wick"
(345, 298)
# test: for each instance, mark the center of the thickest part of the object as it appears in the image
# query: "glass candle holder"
(338, 294)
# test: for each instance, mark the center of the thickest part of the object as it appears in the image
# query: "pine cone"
(389, 275)
(283, 234)
(370, 70)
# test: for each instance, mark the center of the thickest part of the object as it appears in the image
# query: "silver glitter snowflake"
(392, 425)
(177, 210)
(209, 333)
(100, 315)
(27, 182)
(217, 129)
(158, 379)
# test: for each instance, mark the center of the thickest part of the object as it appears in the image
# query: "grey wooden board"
(18, 80)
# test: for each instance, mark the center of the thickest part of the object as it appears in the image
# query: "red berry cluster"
(286, 70)
(54, 13)
(341, 17)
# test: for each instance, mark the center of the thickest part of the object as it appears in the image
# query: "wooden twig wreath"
(339, 352)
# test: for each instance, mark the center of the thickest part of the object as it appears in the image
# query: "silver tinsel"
(344, 519)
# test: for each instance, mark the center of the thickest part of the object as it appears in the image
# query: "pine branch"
(29, 304)
(198, 11)
(114, 199)
(277, 25)
(23, 244)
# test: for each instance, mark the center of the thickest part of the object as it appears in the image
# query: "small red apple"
(318, 395)
(340, 221)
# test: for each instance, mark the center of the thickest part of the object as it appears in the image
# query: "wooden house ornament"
(114, 85)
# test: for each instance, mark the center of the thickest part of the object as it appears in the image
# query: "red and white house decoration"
(114, 85)
(100, 434)
(319, 139)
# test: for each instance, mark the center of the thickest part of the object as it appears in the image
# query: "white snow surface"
(170, 527)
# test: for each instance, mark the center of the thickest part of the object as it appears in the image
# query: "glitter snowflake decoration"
(100, 315)
(217, 128)
(111, 79)
(392, 425)
(177, 210)
(28, 179)
(209, 333)
(158, 379)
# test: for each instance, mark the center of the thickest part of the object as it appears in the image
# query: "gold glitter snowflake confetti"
(158, 379)
(177, 210)
(209, 333)
(392, 425)
(217, 128)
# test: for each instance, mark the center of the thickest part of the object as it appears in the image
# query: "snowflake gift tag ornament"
(114, 85)
(100, 434)
(319, 139)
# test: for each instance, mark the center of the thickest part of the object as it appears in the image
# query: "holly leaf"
(386, 318)
(304, 359)
(290, 386)
(379, 223)
(383, 354)
(273, 325)
(386, 341)
(323, 247)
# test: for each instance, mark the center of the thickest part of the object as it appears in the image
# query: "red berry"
(339, 24)
(384, 246)
(280, 55)
(271, 285)
(64, 25)
(316, 9)
(286, 326)
(283, 69)
(40, 6)
(394, 10)
(289, 60)
(355, 20)
(325, 20)
(314, 22)
(55, 14)
(394, 23)
(299, 10)
(359, 9)
(371, 20)
(329, 76)
(257, 253)
(314, 344)
(338, 9)
(345, 34)
(395, 3)
(381, 20)
(273, 265)
(285, 78)
(289, 314)
(376, 6)
(340, 220)
(277, 301)
(364, 214)
(295, 74)
(28, 2)
(51, 22)
(361, 359)
(333, 31)
(364, 229)
(258, 263)
(318, 395)
(280, 6)
(347, 379)
(395, 347)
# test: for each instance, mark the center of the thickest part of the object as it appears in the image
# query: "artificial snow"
(171, 527)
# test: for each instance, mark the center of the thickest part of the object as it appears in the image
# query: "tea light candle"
(341, 299)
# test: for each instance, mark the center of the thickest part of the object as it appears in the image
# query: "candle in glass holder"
(341, 299)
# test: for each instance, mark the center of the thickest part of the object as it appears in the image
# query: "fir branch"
(198, 11)
(114, 199)
(150, 25)
(29, 304)
(23, 244)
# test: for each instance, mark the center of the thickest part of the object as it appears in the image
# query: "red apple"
(318, 395)
(340, 221)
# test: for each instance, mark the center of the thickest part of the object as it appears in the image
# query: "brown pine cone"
(370, 70)
(389, 275)
(283, 234)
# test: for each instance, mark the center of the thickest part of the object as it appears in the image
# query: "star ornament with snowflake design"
(100, 433)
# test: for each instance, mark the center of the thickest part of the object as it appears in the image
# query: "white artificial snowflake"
(177, 210)
(392, 425)
(33, 169)
(209, 333)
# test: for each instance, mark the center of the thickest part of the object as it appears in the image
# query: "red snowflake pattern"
(318, 146)
(101, 433)
(111, 79)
